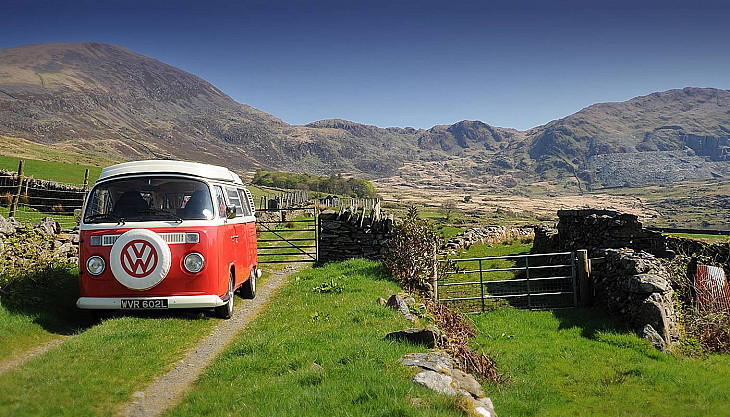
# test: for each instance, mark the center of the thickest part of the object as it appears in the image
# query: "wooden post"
(16, 197)
(435, 278)
(583, 272)
(86, 184)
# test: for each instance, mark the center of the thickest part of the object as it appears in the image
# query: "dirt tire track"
(168, 389)
(32, 353)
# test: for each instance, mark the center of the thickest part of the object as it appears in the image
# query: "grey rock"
(652, 336)
(435, 381)
(434, 361)
(396, 302)
(317, 367)
(75, 238)
(7, 226)
(467, 383)
(427, 336)
(410, 301)
(647, 284)
(48, 226)
(484, 407)
(65, 248)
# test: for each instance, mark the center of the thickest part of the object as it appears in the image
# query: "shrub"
(57, 208)
(711, 329)
(410, 257)
(24, 199)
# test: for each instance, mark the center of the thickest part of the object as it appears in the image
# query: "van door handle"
(234, 237)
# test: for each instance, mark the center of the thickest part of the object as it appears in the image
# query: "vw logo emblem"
(139, 258)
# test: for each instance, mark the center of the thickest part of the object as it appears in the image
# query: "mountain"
(667, 136)
(94, 98)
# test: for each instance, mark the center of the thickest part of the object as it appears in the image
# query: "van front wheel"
(226, 310)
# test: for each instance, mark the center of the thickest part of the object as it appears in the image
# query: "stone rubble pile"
(46, 235)
(438, 373)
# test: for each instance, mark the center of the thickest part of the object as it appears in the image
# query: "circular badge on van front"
(140, 259)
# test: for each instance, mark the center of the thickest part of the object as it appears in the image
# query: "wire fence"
(30, 200)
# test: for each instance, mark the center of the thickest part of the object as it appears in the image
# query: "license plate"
(132, 304)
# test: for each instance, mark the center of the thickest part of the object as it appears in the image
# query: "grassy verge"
(39, 307)
(578, 362)
(97, 371)
(316, 354)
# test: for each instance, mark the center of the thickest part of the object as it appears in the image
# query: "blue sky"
(410, 63)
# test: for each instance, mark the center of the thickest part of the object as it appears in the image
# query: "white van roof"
(171, 167)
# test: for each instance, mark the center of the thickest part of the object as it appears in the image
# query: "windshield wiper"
(158, 212)
(105, 216)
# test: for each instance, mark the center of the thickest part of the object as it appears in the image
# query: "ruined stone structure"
(627, 277)
(349, 234)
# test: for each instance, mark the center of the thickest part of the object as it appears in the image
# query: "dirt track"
(170, 388)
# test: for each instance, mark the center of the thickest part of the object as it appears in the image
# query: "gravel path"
(32, 353)
(170, 388)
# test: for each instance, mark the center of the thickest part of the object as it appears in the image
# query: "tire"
(248, 288)
(226, 310)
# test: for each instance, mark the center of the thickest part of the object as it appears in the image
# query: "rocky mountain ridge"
(104, 99)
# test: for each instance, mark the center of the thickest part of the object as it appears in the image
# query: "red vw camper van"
(167, 234)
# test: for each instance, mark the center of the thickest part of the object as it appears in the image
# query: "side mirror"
(231, 212)
(77, 216)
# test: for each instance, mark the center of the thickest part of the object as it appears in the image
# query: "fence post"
(16, 197)
(583, 271)
(435, 278)
(527, 277)
(86, 186)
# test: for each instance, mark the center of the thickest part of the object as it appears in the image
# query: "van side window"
(245, 202)
(221, 208)
(235, 200)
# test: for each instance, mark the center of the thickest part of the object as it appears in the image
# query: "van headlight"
(95, 265)
(193, 262)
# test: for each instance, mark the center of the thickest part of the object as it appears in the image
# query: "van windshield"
(149, 199)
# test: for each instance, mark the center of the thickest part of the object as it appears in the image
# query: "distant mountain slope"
(101, 99)
(693, 124)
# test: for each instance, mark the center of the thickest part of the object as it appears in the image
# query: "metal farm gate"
(287, 235)
(540, 281)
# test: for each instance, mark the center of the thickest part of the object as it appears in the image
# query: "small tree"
(410, 258)
(447, 208)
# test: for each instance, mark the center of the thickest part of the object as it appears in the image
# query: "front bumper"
(177, 301)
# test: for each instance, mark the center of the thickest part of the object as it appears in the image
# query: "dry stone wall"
(589, 229)
(627, 277)
(348, 234)
(634, 286)
(487, 234)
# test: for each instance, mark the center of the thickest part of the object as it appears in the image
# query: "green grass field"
(270, 369)
(66, 173)
(579, 362)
